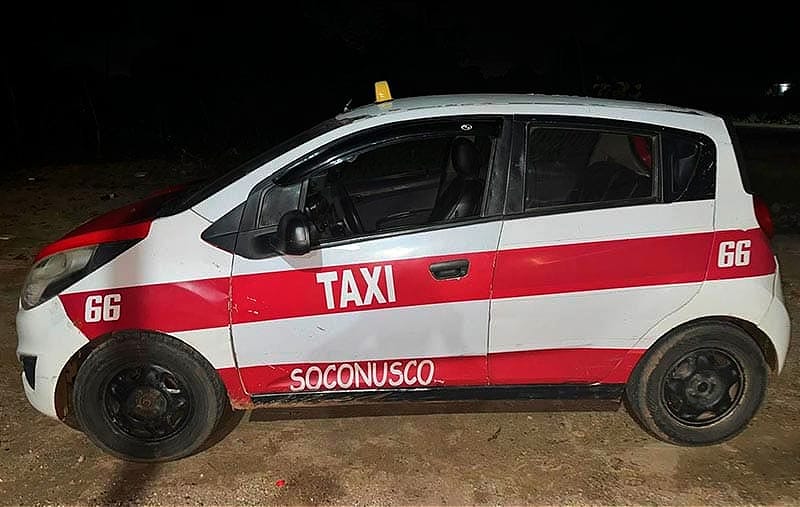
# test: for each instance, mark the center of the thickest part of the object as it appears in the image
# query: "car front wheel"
(147, 397)
(700, 385)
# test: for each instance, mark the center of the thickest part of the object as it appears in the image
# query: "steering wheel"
(348, 211)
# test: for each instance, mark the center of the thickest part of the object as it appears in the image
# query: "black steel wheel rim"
(148, 402)
(703, 387)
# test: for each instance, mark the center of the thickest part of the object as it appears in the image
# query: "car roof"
(415, 108)
(435, 102)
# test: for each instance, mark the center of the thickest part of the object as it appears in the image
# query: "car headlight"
(54, 273)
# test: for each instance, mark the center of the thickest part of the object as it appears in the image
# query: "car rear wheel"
(700, 385)
(147, 397)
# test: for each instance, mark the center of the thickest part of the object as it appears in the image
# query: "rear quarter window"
(690, 167)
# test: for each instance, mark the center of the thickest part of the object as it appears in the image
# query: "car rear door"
(406, 307)
(600, 243)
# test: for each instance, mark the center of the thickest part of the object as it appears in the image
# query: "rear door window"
(568, 166)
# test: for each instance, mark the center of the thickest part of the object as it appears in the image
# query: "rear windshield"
(199, 191)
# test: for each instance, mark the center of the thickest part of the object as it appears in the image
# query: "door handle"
(450, 269)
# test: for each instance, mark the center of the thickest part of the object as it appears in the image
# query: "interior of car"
(405, 184)
(566, 166)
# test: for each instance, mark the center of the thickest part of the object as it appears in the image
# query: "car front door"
(610, 233)
(394, 293)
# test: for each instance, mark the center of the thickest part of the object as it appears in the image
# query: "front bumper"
(46, 333)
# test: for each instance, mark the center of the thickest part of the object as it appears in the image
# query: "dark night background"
(103, 106)
(175, 80)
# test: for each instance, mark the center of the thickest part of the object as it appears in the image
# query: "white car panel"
(611, 318)
(48, 334)
(441, 330)
(172, 252)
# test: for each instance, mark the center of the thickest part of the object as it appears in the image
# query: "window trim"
(402, 232)
(385, 134)
(524, 125)
(492, 209)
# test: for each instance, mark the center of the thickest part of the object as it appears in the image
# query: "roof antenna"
(347, 106)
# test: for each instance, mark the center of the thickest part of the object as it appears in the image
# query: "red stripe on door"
(551, 366)
(602, 265)
(626, 263)
(299, 293)
(557, 366)
(360, 375)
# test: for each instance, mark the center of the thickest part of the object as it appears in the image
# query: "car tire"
(678, 392)
(147, 397)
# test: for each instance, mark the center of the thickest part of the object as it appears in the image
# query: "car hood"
(127, 223)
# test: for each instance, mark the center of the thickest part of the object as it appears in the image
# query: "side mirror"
(294, 234)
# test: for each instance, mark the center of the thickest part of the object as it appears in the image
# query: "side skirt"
(495, 393)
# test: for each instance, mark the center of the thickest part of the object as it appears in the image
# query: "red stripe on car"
(130, 222)
(760, 260)
(167, 307)
(201, 304)
(77, 240)
(297, 293)
(360, 375)
(550, 366)
(598, 265)
(558, 366)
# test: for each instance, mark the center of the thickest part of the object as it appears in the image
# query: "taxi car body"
(451, 247)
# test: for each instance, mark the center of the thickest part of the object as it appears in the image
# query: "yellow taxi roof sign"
(382, 93)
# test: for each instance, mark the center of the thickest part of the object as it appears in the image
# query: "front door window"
(397, 184)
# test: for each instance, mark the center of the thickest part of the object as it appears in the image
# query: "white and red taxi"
(453, 247)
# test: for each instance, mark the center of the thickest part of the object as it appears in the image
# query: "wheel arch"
(66, 379)
(644, 392)
(760, 337)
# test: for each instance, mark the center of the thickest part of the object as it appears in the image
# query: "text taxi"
(454, 247)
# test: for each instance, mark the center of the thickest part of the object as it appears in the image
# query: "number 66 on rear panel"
(734, 253)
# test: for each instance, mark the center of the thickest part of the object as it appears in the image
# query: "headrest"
(465, 157)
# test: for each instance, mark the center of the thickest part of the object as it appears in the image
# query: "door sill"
(446, 394)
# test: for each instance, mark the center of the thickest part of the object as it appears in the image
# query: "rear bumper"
(776, 324)
(46, 334)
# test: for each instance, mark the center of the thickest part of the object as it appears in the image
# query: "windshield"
(199, 191)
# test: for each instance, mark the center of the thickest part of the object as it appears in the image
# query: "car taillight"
(763, 216)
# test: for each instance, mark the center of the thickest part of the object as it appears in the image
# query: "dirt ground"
(417, 454)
